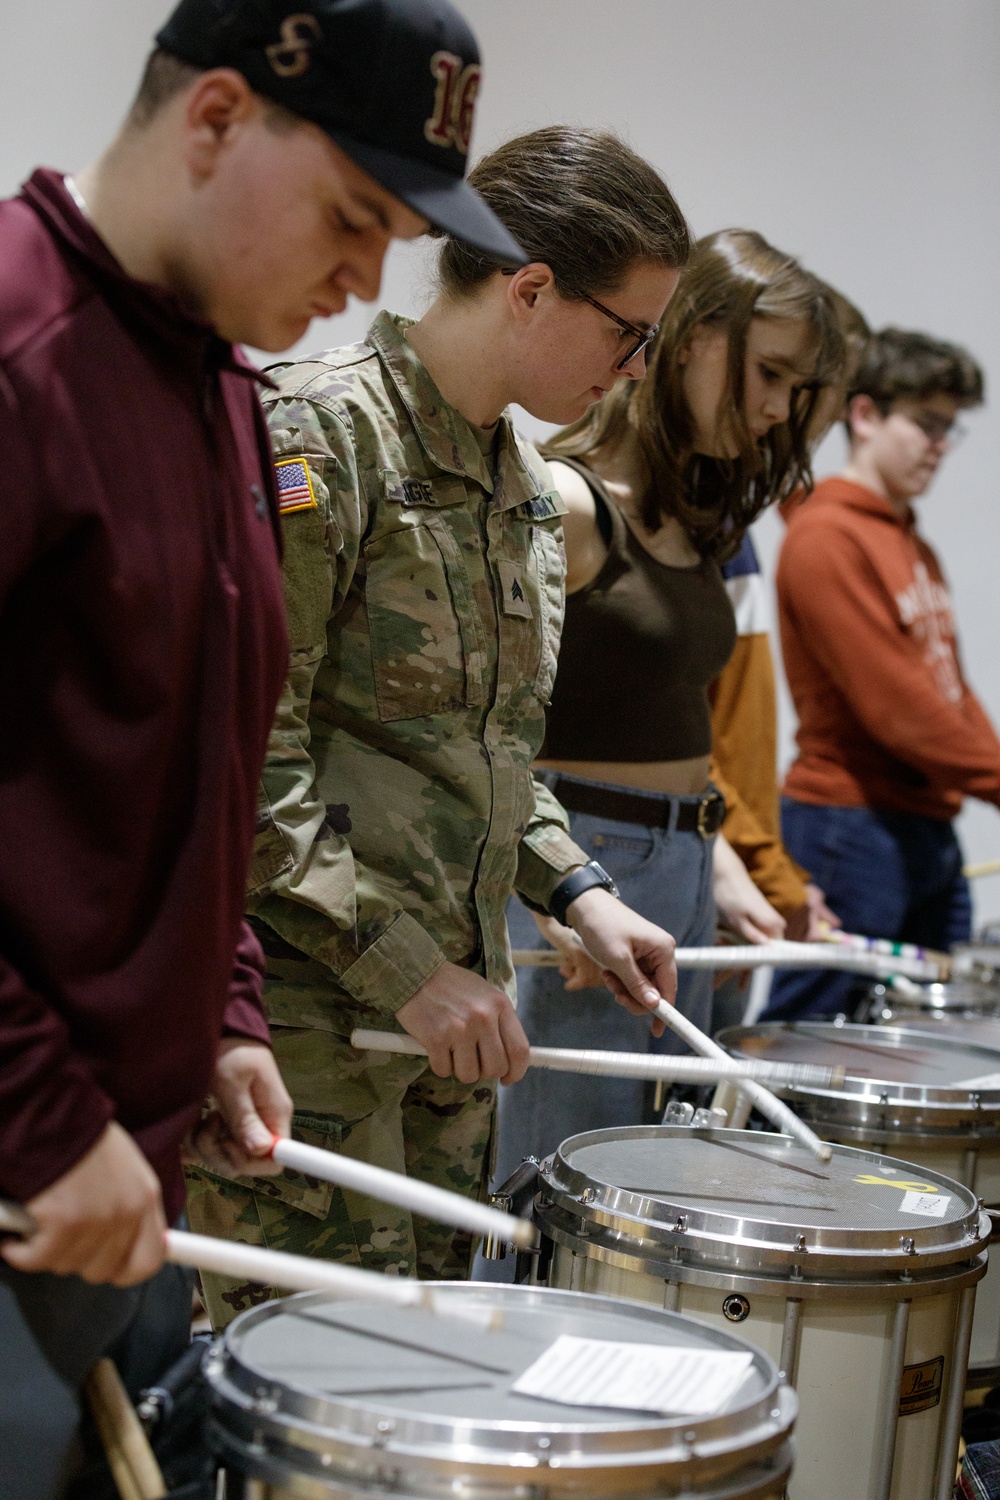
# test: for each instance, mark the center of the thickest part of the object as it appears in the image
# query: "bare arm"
(585, 549)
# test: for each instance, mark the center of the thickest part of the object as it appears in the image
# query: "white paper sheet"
(928, 1205)
(636, 1377)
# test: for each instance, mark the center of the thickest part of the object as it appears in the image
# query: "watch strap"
(584, 879)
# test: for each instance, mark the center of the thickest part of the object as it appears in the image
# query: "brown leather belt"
(704, 816)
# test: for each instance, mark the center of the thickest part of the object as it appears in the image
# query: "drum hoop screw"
(681, 1225)
(796, 1272)
(386, 1424)
(800, 1242)
(544, 1442)
(690, 1437)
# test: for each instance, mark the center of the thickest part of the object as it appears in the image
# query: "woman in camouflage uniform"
(424, 576)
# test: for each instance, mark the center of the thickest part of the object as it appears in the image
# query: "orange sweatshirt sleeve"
(847, 621)
(769, 865)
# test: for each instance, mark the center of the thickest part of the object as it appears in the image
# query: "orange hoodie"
(886, 718)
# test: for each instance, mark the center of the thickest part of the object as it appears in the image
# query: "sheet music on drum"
(634, 1377)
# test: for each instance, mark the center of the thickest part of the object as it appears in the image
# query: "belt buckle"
(709, 820)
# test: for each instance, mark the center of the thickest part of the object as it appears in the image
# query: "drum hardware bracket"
(800, 1242)
(680, 1227)
(907, 1244)
(512, 1197)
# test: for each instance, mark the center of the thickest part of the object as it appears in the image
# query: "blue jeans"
(664, 875)
(886, 874)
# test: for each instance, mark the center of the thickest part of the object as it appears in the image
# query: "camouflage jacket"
(425, 601)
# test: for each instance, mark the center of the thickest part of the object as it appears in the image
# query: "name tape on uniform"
(634, 1377)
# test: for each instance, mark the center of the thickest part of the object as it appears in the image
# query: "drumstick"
(778, 1113)
(785, 955)
(988, 867)
(635, 1064)
(405, 1192)
(295, 1273)
(131, 1460)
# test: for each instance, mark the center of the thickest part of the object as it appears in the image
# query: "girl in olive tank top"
(661, 479)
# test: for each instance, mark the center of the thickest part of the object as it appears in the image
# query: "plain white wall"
(863, 135)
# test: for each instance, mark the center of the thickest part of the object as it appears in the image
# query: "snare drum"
(919, 1003)
(857, 1276)
(325, 1399)
(930, 1100)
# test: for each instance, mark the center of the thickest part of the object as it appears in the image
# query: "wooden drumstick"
(772, 1108)
(646, 1065)
(130, 1458)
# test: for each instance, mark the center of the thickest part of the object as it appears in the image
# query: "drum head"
(373, 1385)
(744, 1195)
(896, 1065)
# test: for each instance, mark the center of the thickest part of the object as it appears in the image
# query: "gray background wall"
(863, 135)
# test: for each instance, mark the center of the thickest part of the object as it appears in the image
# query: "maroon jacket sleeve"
(51, 1109)
(244, 1015)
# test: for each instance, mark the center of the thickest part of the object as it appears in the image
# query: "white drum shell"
(838, 1334)
(966, 1148)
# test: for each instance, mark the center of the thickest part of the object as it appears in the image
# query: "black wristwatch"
(575, 884)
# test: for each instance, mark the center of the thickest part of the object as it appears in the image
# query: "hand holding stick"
(645, 1065)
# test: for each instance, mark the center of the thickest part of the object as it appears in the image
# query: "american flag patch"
(295, 491)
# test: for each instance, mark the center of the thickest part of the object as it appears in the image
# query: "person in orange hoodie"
(891, 737)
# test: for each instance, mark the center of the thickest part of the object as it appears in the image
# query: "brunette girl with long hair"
(661, 480)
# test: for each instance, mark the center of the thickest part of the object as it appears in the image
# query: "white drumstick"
(635, 1064)
(778, 1113)
(294, 1273)
(405, 1192)
(783, 955)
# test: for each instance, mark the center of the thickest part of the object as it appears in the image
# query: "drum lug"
(800, 1242)
(907, 1244)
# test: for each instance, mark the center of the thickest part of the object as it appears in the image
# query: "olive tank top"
(640, 646)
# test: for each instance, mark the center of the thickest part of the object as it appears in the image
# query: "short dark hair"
(899, 365)
(579, 201)
(163, 77)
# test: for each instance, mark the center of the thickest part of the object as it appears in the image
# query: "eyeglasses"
(643, 336)
(936, 429)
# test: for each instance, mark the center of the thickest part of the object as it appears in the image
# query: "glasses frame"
(943, 432)
(643, 336)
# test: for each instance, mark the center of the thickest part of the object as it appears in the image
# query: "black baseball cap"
(392, 82)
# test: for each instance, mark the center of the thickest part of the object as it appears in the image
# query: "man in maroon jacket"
(257, 181)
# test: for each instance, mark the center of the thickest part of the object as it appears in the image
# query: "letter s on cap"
(290, 57)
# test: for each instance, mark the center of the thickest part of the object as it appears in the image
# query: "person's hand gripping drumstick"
(636, 958)
(103, 1218)
(250, 1107)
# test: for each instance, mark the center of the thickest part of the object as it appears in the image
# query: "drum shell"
(974, 1161)
(277, 1441)
(951, 1138)
(842, 1326)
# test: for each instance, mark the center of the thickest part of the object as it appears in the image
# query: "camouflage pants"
(387, 1110)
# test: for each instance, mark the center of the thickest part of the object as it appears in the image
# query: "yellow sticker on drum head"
(868, 1179)
(921, 1386)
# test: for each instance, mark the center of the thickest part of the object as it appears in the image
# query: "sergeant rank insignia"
(295, 491)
